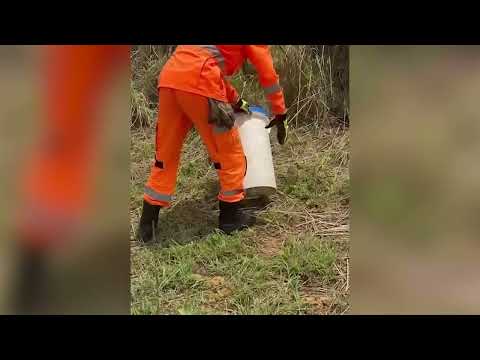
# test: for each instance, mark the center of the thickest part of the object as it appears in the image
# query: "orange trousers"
(178, 112)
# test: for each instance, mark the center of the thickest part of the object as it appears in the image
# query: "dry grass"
(314, 78)
(296, 260)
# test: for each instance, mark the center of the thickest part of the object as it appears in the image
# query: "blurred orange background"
(55, 104)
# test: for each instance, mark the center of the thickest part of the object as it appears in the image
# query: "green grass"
(223, 274)
(293, 262)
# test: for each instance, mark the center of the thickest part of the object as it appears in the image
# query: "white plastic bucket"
(260, 178)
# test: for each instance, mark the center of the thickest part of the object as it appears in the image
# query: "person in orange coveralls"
(193, 91)
(56, 185)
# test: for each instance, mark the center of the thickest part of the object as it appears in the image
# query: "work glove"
(280, 121)
(221, 114)
(242, 106)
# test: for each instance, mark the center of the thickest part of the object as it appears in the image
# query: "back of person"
(200, 69)
(194, 92)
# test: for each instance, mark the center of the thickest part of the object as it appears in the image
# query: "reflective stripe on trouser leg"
(224, 147)
(158, 196)
(231, 192)
(172, 127)
(232, 165)
(159, 187)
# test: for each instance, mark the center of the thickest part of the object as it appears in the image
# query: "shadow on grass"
(186, 222)
(189, 220)
(194, 220)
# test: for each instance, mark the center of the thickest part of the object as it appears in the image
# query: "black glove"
(241, 106)
(280, 121)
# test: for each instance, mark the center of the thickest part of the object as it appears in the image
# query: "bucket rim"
(259, 110)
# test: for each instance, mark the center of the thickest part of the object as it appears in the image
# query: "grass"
(295, 261)
(314, 79)
(229, 275)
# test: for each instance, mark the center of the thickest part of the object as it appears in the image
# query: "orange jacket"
(201, 69)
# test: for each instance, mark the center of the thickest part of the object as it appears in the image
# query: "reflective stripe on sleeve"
(216, 54)
(272, 89)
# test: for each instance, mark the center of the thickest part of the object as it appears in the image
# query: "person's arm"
(261, 59)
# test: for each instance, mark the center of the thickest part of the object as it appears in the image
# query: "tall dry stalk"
(314, 79)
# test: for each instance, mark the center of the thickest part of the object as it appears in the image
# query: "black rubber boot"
(232, 217)
(148, 222)
(30, 293)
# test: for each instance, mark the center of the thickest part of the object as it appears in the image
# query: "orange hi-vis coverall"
(193, 74)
